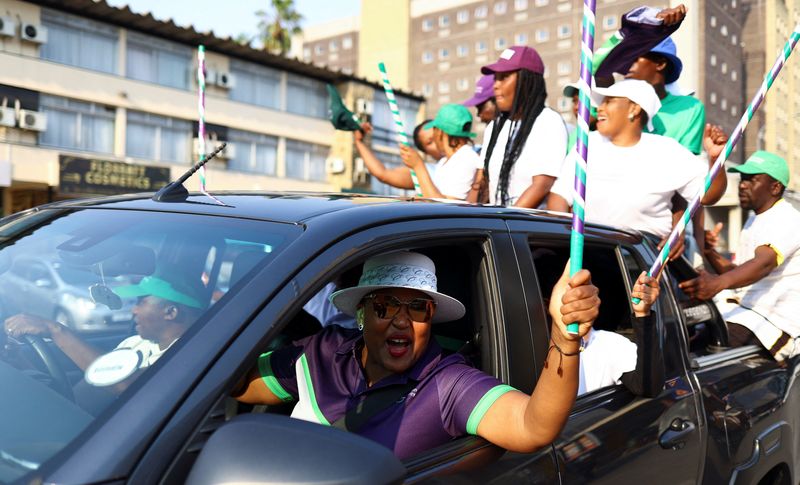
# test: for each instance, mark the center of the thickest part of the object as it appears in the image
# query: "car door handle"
(674, 438)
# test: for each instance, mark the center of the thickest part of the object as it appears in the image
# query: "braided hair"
(529, 98)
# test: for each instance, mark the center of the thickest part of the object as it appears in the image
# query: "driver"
(166, 308)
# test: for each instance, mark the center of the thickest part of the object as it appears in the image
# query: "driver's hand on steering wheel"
(24, 324)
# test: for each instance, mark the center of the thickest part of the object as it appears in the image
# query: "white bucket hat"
(640, 92)
(402, 269)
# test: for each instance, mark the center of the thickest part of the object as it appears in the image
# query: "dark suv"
(723, 415)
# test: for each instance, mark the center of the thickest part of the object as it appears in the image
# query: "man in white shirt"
(764, 304)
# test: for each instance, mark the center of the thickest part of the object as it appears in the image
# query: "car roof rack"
(175, 191)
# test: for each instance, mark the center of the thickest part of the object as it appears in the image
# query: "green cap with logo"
(181, 292)
(453, 119)
(765, 162)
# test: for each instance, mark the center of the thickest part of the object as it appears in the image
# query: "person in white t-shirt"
(524, 147)
(609, 358)
(632, 176)
(763, 305)
(456, 172)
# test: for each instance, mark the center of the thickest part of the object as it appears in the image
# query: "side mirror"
(268, 448)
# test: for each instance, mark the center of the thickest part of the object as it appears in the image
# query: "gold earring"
(631, 117)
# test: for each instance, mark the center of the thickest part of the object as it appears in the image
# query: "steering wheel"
(60, 380)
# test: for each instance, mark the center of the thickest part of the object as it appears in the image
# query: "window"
(462, 17)
(500, 43)
(462, 50)
(520, 4)
(542, 3)
(481, 12)
(480, 46)
(306, 161)
(712, 21)
(734, 40)
(255, 153)
(734, 110)
(724, 30)
(564, 30)
(158, 61)
(384, 133)
(319, 49)
(542, 35)
(521, 39)
(444, 21)
(156, 137)
(347, 43)
(734, 75)
(256, 84)
(306, 96)
(427, 89)
(713, 98)
(723, 104)
(333, 46)
(444, 53)
(427, 57)
(77, 125)
(80, 42)
(462, 84)
(564, 67)
(500, 8)
(610, 22)
(712, 60)
(427, 25)
(306, 53)
(444, 87)
(724, 68)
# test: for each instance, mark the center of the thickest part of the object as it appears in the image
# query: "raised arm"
(523, 423)
(399, 177)
(647, 379)
(714, 140)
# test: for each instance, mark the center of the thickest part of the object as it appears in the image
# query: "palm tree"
(276, 26)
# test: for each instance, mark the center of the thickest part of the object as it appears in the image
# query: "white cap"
(640, 92)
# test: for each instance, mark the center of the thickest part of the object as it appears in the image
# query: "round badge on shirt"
(113, 367)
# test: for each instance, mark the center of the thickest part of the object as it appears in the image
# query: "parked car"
(724, 414)
(53, 289)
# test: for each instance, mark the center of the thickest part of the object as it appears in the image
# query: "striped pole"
(582, 145)
(677, 232)
(402, 137)
(201, 110)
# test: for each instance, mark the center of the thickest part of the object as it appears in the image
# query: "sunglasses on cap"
(387, 306)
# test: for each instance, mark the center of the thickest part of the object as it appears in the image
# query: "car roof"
(304, 207)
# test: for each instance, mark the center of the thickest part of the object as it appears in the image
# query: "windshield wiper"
(175, 191)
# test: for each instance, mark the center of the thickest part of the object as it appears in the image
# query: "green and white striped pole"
(582, 145)
(402, 137)
(677, 232)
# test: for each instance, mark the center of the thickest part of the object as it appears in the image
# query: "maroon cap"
(514, 58)
(484, 91)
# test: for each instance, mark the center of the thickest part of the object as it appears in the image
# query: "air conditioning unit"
(8, 27)
(363, 106)
(8, 117)
(32, 120)
(224, 79)
(226, 154)
(33, 33)
(334, 165)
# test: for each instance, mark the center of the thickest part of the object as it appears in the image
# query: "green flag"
(341, 117)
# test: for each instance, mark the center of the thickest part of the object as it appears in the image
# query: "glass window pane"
(173, 70)
(140, 140)
(140, 63)
(256, 85)
(62, 129)
(307, 97)
(80, 42)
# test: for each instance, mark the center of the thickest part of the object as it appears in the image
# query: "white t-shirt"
(632, 187)
(149, 350)
(454, 176)
(776, 296)
(542, 154)
(605, 358)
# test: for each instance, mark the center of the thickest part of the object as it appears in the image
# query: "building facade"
(99, 100)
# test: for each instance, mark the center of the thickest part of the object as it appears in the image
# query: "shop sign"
(84, 176)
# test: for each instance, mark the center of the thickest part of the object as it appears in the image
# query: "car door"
(613, 436)
(505, 349)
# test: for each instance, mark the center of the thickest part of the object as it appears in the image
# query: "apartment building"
(333, 44)
(100, 100)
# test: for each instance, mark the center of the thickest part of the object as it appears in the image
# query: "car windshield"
(124, 285)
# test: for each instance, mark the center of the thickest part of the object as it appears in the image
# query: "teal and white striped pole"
(402, 137)
(582, 145)
(677, 232)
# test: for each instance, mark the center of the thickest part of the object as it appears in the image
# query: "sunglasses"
(387, 306)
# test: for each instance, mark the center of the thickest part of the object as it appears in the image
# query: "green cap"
(765, 162)
(341, 117)
(453, 119)
(182, 293)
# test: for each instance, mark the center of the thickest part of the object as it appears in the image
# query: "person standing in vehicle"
(483, 99)
(524, 147)
(389, 380)
(764, 305)
(459, 166)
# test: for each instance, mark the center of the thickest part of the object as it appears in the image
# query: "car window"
(142, 280)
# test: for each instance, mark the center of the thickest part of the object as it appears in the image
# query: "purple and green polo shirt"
(323, 373)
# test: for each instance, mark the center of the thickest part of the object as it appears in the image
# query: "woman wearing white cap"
(389, 380)
(631, 175)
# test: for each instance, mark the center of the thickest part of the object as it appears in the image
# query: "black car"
(723, 415)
